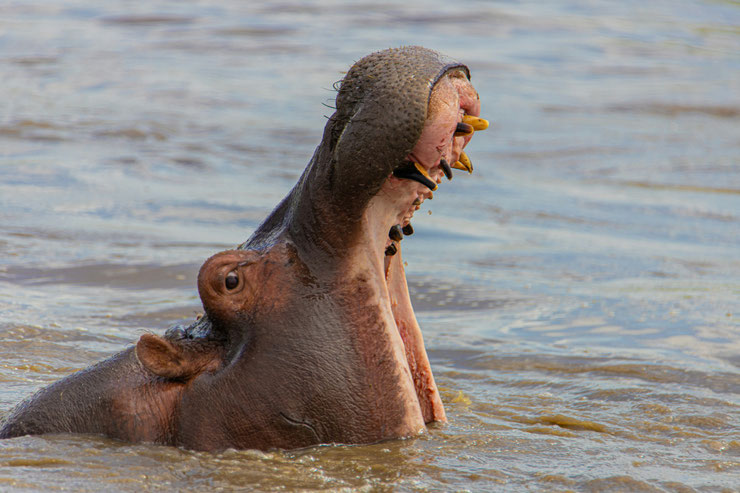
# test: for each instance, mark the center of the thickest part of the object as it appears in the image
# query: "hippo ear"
(159, 356)
(175, 360)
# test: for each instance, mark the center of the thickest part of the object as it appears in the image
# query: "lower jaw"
(427, 393)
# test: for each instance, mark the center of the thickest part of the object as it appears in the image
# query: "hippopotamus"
(308, 336)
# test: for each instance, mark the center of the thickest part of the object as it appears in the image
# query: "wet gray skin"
(309, 336)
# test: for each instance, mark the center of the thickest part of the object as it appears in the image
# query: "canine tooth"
(464, 163)
(416, 172)
(463, 129)
(446, 168)
(476, 122)
(417, 201)
(465, 160)
(395, 233)
(391, 250)
(425, 173)
(408, 230)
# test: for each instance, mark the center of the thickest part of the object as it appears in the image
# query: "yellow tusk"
(464, 163)
(476, 122)
(424, 172)
(463, 130)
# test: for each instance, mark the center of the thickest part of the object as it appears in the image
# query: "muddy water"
(580, 293)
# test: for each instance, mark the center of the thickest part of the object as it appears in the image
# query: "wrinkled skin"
(309, 335)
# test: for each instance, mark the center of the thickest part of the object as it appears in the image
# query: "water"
(579, 294)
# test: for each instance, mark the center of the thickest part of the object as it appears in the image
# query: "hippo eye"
(231, 281)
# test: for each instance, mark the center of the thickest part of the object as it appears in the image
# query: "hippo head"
(319, 338)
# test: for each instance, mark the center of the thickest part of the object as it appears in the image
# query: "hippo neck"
(323, 213)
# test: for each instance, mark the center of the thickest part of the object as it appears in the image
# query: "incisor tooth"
(395, 233)
(446, 168)
(476, 122)
(463, 129)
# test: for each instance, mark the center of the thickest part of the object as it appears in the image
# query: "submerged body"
(309, 335)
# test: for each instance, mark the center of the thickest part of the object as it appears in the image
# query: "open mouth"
(444, 136)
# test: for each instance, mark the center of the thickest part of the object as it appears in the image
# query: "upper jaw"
(439, 149)
(453, 118)
(454, 111)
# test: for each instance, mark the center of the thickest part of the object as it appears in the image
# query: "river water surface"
(579, 293)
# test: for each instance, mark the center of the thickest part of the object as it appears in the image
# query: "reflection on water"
(579, 294)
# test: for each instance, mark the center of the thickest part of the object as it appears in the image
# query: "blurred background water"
(579, 294)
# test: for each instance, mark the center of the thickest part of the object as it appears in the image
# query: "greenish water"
(579, 294)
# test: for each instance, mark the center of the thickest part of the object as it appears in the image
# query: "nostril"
(231, 281)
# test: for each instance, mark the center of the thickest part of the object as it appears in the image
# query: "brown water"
(579, 294)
